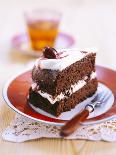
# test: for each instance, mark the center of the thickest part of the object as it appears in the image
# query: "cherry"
(50, 53)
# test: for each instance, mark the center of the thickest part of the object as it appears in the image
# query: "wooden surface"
(92, 24)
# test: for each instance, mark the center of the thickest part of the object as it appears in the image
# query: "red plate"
(15, 94)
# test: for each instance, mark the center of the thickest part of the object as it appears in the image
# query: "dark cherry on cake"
(50, 53)
(62, 80)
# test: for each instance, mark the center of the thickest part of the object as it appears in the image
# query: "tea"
(42, 27)
(42, 33)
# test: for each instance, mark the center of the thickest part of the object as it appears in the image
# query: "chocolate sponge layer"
(65, 104)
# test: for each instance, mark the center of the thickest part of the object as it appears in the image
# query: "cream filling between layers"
(73, 89)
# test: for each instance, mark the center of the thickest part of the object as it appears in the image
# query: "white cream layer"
(72, 90)
(69, 56)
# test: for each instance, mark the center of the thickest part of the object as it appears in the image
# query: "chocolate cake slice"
(62, 79)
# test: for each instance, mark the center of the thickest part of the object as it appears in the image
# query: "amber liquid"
(42, 34)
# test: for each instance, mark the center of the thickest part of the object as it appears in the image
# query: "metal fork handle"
(91, 106)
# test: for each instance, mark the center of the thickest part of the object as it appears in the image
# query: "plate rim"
(7, 101)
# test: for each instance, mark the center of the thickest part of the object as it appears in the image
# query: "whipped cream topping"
(72, 90)
(68, 57)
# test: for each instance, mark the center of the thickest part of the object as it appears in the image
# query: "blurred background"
(91, 23)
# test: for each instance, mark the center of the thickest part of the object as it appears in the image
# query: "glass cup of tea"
(42, 26)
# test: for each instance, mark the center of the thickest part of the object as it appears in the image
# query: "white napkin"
(23, 129)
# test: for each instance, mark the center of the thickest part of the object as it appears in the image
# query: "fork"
(74, 123)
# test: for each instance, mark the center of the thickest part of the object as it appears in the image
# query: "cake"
(62, 79)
